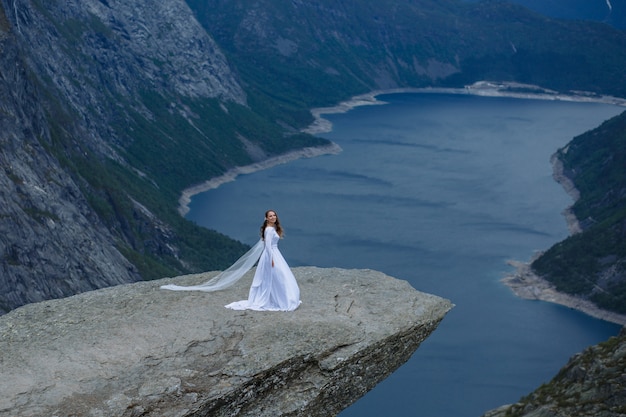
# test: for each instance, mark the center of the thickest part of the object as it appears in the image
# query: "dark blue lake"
(439, 190)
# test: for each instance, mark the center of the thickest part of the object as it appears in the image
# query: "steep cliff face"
(105, 63)
(100, 55)
(79, 83)
(136, 350)
(46, 224)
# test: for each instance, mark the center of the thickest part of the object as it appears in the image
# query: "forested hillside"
(591, 384)
(592, 264)
(316, 53)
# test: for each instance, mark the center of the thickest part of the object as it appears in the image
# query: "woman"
(273, 288)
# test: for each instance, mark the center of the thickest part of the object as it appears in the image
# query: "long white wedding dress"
(274, 288)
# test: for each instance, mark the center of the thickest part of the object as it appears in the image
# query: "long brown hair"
(277, 227)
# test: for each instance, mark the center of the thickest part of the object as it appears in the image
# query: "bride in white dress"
(274, 288)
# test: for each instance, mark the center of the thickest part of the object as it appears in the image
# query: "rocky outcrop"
(592, 384)
(137, 350)
(526, 284)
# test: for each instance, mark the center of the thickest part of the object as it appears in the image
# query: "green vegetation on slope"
(137, 200)
(110, 189)
(183, 149)
(592, 264)
(317, 53)
(590, 385)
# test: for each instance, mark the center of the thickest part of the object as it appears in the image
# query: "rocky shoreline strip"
(232, 174)
(479, 88)
(526, 284)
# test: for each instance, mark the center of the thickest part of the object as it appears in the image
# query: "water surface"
(439, 190)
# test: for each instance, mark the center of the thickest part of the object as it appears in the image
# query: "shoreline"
(573, 225)
(480, 88)
(526, 284)
(233, 173)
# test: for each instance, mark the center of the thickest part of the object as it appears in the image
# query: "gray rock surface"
(135, 349)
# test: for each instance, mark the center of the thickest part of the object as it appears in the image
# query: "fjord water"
(439, 190)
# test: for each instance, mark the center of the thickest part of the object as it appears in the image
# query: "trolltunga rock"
(137, 350)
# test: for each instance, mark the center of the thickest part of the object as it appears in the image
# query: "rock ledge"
(136, 350)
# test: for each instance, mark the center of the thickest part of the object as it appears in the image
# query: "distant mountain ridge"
(315, 52)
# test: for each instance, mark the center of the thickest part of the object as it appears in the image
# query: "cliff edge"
(135, 349)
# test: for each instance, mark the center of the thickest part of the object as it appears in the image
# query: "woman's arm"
(267, 234)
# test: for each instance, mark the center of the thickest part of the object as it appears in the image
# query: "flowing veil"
(227, 277)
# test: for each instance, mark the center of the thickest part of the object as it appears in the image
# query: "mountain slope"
(51, 242)
(592, 264)
(314, 52)
(591, 384)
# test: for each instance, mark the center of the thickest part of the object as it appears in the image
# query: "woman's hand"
(272, 263)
